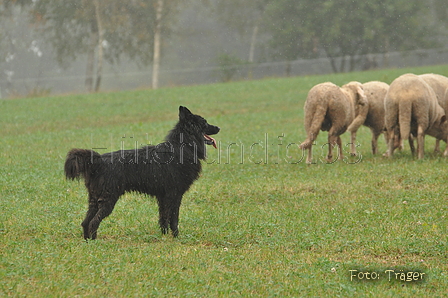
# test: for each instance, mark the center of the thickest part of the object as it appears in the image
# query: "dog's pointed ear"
(183, 112)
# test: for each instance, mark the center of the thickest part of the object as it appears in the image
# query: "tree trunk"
(288, 68)
(91, 59)
(157, 38)
(386, 54)
(353, 62)
(342, 66)
(332, 63)
(99, 68)
(253, 41)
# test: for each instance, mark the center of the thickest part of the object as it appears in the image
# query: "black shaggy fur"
(165, 171)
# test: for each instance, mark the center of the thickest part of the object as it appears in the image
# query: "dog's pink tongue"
(211, 139)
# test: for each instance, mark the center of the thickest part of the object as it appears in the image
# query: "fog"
(190, 55)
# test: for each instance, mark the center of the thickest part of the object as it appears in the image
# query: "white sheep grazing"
(375, 92)
(439, 84)
(355, 92)
(330, 108)
(411, 108)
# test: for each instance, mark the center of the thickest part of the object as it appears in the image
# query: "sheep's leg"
(330, 149)
(308, 145)
(445, 153)
(332, 142)
(386, 139)
(420, 142)
(339, 142)
(374, 144)
(411, 144)
(391, 144)
(352, 145)
(309, 159)
(437, 146)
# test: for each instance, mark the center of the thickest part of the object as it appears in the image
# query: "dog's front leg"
(164, 214)
(174, 219)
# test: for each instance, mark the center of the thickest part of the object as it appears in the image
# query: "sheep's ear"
(362, 99)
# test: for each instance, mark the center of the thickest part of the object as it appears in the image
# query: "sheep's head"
(355, 93)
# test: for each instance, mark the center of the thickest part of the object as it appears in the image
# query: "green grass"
(257, 223)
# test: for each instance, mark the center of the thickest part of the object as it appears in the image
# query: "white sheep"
(439, 84)
(411, 108)
(331, 108)
(372, 113)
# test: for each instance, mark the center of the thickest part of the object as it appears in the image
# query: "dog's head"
(199, 125)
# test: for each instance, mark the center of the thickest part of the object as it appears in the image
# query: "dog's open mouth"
(209, 140)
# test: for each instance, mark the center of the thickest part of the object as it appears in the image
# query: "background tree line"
(141, 30)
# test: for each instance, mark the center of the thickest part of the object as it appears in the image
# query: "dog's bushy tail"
(79, 162)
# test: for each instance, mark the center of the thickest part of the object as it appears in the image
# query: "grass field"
(259, 222)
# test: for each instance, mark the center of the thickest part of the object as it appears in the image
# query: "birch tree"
(244, 16)
(104, 29)
(157, 41)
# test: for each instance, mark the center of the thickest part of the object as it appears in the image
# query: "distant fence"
(206, 75)
(304, 67)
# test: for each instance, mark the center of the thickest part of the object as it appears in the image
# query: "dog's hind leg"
(93, 209)
(105, 207)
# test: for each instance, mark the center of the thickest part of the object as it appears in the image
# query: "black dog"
(165, 171)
